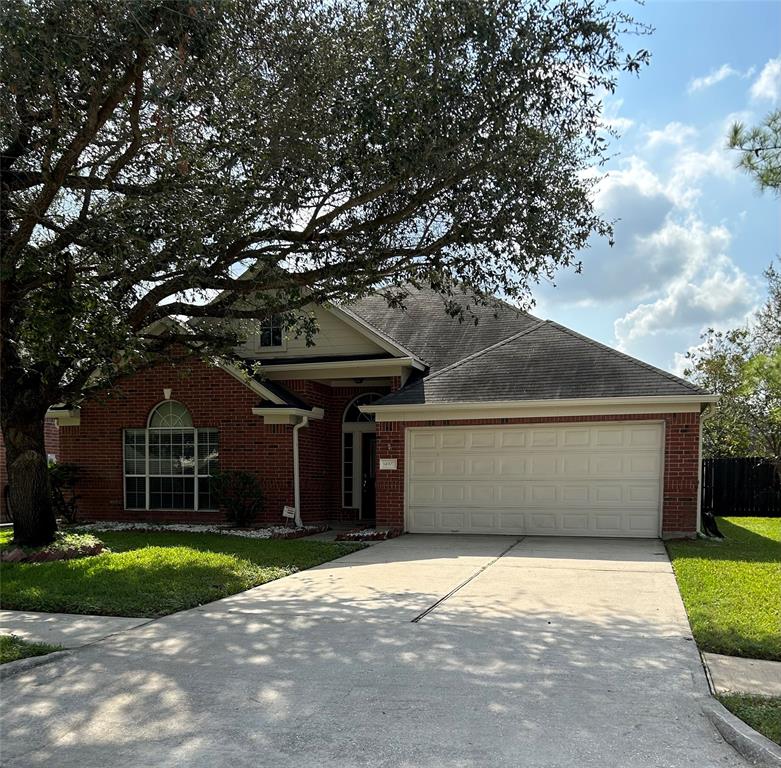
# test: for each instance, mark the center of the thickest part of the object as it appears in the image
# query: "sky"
(693, 234)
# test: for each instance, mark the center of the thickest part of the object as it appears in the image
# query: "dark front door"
(368, 474)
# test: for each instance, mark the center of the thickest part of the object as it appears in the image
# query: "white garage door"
(576, 480)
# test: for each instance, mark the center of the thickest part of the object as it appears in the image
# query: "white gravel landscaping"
(272, 532)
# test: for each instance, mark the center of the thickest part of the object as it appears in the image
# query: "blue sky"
(694, 234)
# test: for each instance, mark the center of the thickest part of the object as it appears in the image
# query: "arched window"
(168, 465)
(357, 449)
(170, 415)
(352, 414)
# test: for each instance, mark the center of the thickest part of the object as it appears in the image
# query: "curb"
(755, 747)
(13, 668)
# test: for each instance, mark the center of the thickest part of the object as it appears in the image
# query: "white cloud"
(610, 117)
(710, 289)
(620, 124)
(692, 165)
(767, 87)
(673, 133)
(712, 78)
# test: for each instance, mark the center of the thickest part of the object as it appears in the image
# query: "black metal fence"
(747, 487)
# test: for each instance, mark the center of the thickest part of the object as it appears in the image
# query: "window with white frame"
(169, 464)
(272, 334)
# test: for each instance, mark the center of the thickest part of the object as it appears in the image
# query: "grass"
(762, 713)
(731, 588)
(13, 648)
(154, 574)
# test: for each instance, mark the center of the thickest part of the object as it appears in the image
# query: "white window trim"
(147, 477)
(274, 347)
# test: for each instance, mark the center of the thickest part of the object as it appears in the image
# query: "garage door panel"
(513, 466)
(481, 466)
(543, 494)
(544, 522)
(454, 520)
(609, 437)
(452, 467)
(599, 480)
(576, 464)
(575, 494)
(544, 464)
(425, 492)
(576, 438)
(452, 494)
(642, 464)
(512, 522)
(512, 438)
(644, 437)
(425, 468)
(481, 439)
(574, 523)
(424, 520)
(423, 440)
(543, 438)
(511, 495)
(608, 493)
(453, 439)
(611, 464)
(644, 494)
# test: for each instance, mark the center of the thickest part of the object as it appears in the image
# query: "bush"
(63, 479)
(239, 494)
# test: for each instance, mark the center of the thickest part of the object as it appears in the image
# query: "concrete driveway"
(423, 651)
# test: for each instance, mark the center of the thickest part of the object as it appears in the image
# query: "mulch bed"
(67, 546)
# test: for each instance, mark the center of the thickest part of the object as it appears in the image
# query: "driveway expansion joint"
(466, 581)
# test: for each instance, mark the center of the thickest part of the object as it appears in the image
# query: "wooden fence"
(746, 487)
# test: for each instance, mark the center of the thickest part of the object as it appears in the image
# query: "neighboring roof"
(545, 361)
(425, 328)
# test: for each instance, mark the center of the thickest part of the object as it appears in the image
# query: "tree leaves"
(153, 152)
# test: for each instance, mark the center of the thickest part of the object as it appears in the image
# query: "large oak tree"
(152, 150)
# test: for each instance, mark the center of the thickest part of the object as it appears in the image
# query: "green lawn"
(13, 648)
(761, 713)
(154, 574)
(731, 588)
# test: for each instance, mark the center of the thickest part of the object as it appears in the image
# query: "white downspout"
(704, 416)
(296, 471)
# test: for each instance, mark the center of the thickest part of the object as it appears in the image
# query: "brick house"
(405, 418)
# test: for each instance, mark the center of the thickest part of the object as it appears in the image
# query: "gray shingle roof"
(435, 337)
(544, 361)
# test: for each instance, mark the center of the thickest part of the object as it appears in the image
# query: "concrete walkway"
(424, 651)
(66, 629)
(731, 674)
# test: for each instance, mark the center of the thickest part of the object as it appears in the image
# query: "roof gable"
(338, 335)
(436, 338)
(543, 362)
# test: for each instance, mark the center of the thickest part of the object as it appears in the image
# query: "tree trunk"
(23, 422)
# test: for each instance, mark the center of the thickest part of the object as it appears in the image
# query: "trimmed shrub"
(239, 494)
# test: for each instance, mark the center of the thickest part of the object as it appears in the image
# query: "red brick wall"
(681, 459)
(215, 399)
(320, 450)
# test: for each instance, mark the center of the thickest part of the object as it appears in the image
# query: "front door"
(368, 475)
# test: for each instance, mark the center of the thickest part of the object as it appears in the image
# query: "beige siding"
(335, 337)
